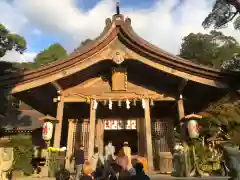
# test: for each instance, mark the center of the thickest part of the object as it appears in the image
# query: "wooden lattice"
(162, 135)
(81, 135)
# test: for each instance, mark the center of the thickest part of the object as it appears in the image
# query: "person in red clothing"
(122, 160)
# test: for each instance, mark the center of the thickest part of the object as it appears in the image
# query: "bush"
(22, 147)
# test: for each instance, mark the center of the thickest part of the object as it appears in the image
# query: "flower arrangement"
(53, 149)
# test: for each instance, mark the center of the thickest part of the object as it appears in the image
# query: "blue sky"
(69, 22)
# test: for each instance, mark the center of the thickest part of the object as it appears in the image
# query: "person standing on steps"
(128, 152)
(79, 160)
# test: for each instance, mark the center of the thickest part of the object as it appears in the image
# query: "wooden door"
(162, 144)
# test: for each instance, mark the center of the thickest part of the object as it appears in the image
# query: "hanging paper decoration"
(119, 103)
(113, 125)
(110, 104)
(127, 104)
(47, 131)
(95, 104)
(107, 124)
(181, 96)
(134, 102)
(151, 102)
(193, 129)
(131, 124)
(120, 124)
(143, 103)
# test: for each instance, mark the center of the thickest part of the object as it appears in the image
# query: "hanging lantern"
(193, 129)
(47, 131)
(127, 104)
(134, 102)
(151, 102)
(143, 103)
(110, 104)
(119, 103)
(95, 104)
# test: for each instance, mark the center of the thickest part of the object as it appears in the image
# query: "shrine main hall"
(118, 88)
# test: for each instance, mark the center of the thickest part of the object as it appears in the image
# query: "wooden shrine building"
(119, 87)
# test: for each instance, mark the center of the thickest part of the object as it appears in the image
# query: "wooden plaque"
(119, 79)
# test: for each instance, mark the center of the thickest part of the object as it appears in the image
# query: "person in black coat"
(79, 160)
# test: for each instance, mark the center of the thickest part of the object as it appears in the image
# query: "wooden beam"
(58, 126)
(91, 130)
(180, 107)
(182, 85)
(115, 96)
(148, 133)
(57, 86)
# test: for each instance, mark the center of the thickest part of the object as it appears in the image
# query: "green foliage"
(209, 49)
(52, 53)
(22, 147)
(226, 111)
(10, 41)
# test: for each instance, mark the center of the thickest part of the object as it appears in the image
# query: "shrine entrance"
(119, 131)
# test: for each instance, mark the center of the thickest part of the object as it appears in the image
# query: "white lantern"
(47, 131)
(193, 129)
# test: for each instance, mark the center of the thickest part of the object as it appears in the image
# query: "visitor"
(109, 152)
(87, 172)
(108, 159)
(79, 160)
(127, 151)
(122, 160)
(140, 174)
(97, 163)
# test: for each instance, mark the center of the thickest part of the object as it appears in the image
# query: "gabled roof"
(118, 29)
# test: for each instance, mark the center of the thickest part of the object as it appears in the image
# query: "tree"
(9, 41)
(232, 64)
(85, 42)
(52, 53)
(223, 11)
(209, 49)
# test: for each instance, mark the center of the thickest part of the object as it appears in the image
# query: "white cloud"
(14, 56)
(158, 24)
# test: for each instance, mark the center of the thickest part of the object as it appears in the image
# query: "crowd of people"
(109, 165)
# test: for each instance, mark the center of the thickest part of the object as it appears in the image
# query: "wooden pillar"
(181, 113)
(71, 123)
(99, 135)
(58, 126)
(141, 137)
(91, 130)
(148, 133)
(183, 134)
